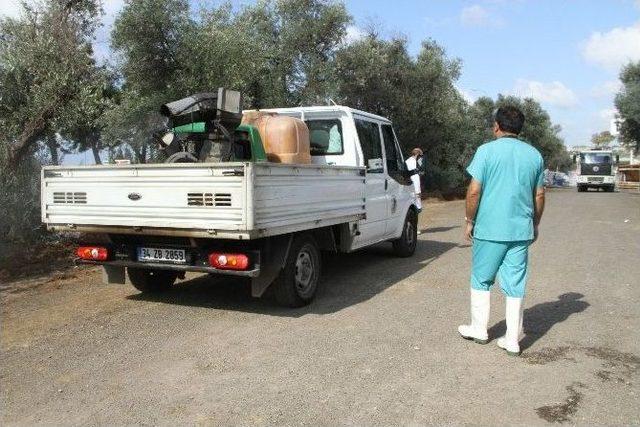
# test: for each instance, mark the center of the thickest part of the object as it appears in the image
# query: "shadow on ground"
(540, 318)
(438, 229)
(347, 279)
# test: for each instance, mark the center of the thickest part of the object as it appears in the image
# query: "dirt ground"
(379, 346)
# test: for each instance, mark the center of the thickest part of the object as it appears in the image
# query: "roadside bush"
(20, 201)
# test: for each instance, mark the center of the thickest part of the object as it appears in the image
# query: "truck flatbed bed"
(212, 200)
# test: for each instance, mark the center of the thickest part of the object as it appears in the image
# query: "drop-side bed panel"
(170, 196)
(288, 195)
(229, 200)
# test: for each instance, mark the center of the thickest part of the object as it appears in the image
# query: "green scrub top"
(509, 170)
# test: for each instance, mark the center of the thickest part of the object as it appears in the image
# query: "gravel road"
(379, 346)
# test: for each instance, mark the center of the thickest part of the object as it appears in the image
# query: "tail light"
(92, 253)
(224, 261)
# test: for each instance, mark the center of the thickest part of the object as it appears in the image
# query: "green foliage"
(132, 122)
(19, 199)
(602, 139)
(48, 82)
(45, 65)
(416, 93)
(538, 129)
(628, 104)
(82, 124)
(419, 95)
(299, 40)
(276, 53)
(150, 36)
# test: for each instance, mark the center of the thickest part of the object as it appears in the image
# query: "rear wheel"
(297, 283)
(405, 246)
(148, 280)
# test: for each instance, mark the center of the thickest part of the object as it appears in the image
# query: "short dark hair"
(510, 119)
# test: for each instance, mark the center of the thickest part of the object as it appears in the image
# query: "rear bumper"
(254, 272)
(197, 259)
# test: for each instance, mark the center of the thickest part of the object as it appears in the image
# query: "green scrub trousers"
(506, 260)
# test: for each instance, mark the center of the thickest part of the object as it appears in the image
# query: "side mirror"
(574, 158)
(617, 159)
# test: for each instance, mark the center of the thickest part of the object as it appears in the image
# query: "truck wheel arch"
(326, 238)
(273, 257)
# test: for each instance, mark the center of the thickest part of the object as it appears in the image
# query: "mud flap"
(273, 257)
(113, 275)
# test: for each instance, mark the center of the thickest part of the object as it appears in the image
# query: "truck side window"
(326, 137)
(394, 159)
(369, 136)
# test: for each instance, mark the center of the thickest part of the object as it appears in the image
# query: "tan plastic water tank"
(285, 139)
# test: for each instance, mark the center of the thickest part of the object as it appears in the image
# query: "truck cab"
(342, 136)
(595, 169)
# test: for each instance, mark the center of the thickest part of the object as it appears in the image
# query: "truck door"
(399, 194)
(374, 227)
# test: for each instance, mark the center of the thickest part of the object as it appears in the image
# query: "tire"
(610, 189)
(581, 189)
(149, 281)
(405, 246)
(297, 283)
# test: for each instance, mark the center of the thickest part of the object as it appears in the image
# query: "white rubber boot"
(477, 330)
(514, 316)
(521, 326)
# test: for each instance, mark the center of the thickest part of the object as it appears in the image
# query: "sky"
(565, 54)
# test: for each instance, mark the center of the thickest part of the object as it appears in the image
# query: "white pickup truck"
(262, 220)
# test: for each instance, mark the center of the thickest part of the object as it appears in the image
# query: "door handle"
(386, 184)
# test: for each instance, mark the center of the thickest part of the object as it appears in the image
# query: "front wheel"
(148, 280)
(297, 283)
(405, 246)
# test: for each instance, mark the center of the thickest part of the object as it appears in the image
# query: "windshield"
(595, 158)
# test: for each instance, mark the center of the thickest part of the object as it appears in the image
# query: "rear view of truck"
(239, 194)
(163, 220)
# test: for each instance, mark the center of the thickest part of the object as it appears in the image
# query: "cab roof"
(328, 109)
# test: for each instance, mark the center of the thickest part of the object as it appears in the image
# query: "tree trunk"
(32, 131)
(96, 153)
(141, 154)
(34, 128)
(143, 159)
(52, 144)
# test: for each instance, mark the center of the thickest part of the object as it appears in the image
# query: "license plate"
(176, 256)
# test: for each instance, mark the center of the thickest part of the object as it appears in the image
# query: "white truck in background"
(261, 220)
(595, 169)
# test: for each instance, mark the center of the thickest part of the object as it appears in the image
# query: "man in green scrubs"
(504, 205)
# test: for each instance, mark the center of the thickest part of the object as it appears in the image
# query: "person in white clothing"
(414, 164)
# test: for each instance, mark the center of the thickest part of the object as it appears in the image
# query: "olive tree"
(628, 105)
(46, 64)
